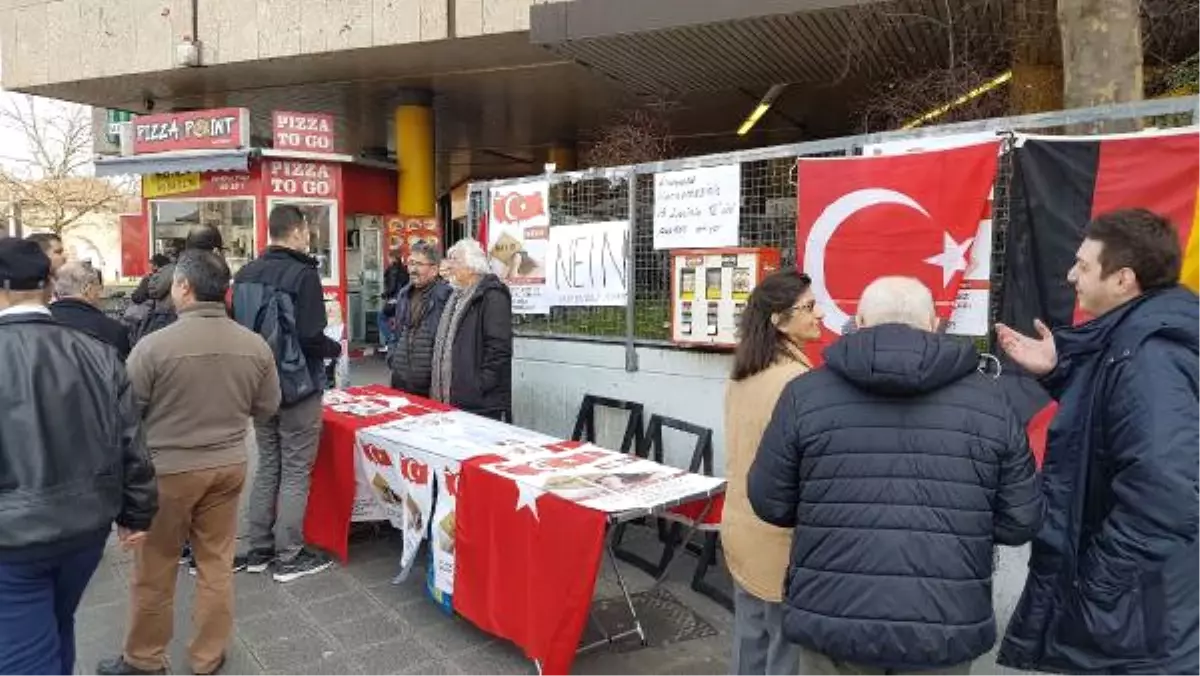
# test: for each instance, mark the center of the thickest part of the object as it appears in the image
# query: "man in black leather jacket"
(71, 463)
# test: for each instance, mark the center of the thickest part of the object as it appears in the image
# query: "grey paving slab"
(398, 656)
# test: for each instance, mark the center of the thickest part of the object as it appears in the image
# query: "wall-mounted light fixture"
(761, 109)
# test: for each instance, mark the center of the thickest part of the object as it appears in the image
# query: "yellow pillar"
(413, 126)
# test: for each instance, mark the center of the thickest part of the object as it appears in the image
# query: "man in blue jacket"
(1112, 584)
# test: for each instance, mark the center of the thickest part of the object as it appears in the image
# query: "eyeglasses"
(419, 264)
(808, 307)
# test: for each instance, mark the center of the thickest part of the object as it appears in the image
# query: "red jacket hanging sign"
(306, 132)
(215, 129)
(300, 178)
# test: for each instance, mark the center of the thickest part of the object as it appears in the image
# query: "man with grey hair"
(417, 312)
(900, 466)
(472, 355)
(196, 383)
(79, 291)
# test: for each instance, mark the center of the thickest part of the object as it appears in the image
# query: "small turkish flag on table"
(526, 563)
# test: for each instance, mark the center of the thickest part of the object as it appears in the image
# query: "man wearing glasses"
(418, 310)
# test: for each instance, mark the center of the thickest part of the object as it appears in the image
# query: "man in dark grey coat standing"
(900, 466)
(416, 314)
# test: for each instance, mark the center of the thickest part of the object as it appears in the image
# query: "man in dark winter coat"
(418, 309)
(472, 356)
(900, 466)
(1112, 584)
(79, 290)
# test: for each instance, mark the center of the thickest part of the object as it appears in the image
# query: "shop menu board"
(710, 290)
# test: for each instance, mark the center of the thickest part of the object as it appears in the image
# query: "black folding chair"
(585, 422)
(670, 535)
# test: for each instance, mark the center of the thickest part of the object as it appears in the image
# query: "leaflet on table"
(459, 436)
(605, 480)
(363, 406)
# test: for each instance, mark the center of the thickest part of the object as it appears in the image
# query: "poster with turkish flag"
(526, 563)
(914, 215)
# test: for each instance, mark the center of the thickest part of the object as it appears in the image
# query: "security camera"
(148, 104)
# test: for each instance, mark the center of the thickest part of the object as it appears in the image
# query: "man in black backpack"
(279, 297)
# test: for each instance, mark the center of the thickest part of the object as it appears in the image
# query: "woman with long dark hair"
(780, 317)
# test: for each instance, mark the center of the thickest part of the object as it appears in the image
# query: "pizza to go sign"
(195, 130)
(306, 132)
(298, 178)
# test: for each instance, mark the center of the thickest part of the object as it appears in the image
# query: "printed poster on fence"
(697, 208)
(518, 230)
(604, 480)
(587, 265)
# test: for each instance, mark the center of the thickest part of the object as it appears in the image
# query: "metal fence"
(768, 210)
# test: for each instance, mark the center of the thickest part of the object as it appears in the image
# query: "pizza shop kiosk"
(200, 168)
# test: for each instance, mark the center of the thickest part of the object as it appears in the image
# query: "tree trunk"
(1102, 56)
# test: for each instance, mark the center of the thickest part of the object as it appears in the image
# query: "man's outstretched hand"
(1036, 355)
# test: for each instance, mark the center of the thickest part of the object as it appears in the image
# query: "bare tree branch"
(52, 184)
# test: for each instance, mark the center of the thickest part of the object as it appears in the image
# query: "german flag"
(1058, 185)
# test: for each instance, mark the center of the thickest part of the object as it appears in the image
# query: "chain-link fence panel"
(768, 209)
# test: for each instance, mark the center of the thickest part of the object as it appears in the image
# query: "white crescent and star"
(508, 215)
(527, 497)
(952, 259)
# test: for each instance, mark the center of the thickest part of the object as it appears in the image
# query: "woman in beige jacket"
(780, 317)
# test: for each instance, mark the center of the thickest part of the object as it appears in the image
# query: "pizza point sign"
(220, 128)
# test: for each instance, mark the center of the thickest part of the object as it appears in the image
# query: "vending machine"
(710, 289)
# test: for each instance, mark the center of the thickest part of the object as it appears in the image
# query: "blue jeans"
(386, 335)
(37, 610)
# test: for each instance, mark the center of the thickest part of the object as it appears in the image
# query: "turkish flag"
(525, 564)
(915, 215)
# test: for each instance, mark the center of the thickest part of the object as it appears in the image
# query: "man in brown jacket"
(197, 382)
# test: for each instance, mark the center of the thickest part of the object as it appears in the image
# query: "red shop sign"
(196, 130)
(306, 132)
(299, 178)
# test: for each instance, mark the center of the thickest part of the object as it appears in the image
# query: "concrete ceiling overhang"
(666, 47)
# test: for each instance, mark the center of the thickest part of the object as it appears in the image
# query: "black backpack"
(158, 314)
(271, 313)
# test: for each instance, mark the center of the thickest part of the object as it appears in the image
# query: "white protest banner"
(697, 208)
(445, 527)
(403, 482)
(587, 265)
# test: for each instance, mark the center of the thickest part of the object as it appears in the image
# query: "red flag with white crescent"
(914, 215)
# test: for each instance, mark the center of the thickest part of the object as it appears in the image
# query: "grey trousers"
(813, 662)
(287, 448)
(759, 646)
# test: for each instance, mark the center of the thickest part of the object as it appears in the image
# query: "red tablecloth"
(331, 493)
